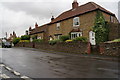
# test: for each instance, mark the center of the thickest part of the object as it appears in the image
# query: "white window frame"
(75, 34)
(39, 37)
(112, 18)
(58, 26)
(75, 20)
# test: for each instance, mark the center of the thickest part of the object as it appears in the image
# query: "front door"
(92, 38)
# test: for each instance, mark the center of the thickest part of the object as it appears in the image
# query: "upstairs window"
(111, 18)
(58, 26)
(76, 21)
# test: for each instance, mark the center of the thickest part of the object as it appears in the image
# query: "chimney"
(52, 18)
(36, 25)
(30, 28)
(10, 35)
(74, 4)
(26, 32)
(14, 34)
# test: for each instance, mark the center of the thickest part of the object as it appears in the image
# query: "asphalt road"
(40, 64)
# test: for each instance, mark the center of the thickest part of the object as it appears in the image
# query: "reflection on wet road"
(39, 64)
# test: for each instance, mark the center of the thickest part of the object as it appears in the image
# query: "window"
(75, 34)
(57, 36)
(39, 37)
(111, 18)
(76, 21)
(58, 26)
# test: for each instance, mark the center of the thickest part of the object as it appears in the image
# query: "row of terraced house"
(75, 22)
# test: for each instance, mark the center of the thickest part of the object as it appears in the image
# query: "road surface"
(41, 64)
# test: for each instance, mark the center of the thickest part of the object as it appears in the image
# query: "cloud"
(17, 21)
(36, 9)
(18, 15)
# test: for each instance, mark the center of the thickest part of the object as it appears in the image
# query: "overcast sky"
(19, 15)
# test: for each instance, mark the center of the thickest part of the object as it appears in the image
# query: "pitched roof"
(90, 6)
(39, 29)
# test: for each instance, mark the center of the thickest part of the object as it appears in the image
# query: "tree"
(25, 37)
(16, 40)
(64, 38)
(100, 28)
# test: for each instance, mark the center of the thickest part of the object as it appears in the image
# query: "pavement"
(33, 63)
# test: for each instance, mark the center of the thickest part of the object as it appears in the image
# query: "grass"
(116, 40)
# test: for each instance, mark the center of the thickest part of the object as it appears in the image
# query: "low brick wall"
(111, 49)
(72, 47)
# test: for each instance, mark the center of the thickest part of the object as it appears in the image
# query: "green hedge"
(52, 42)
(64, 38)
(25, 37)
(16, 40)
(82, 39)
(116, 40)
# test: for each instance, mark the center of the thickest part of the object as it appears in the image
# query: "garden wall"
(71, 47)
(111, 49)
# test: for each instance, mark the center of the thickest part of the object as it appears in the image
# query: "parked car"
(6, 45)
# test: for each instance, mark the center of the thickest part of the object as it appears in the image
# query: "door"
(92, 38)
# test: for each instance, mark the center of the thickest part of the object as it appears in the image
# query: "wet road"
(40, 64)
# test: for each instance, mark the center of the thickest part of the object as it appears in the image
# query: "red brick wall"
(72, 47)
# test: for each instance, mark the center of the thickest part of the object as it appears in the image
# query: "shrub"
(64, 38)
(25, 37)
(34, 37)
(82, 39)
(24, 40)
(52, 42)
(116, 40)
(38, 40)
(16, 40)
(100, 28)
(68, 40)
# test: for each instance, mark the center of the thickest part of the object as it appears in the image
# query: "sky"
(19, 15)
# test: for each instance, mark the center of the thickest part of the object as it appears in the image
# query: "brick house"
(39, 32)
(12, 36)
(75, 22)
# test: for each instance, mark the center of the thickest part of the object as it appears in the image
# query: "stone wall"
(111, 49)
(71, 47)
(108, 49)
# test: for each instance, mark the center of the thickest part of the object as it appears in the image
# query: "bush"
(82, 39)
(116, 40)
(16, 40)
(38, 40)
(68, 40)
(64, 38)
(24, 40)
(34, 37)
(52, 42)
(25, 37)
